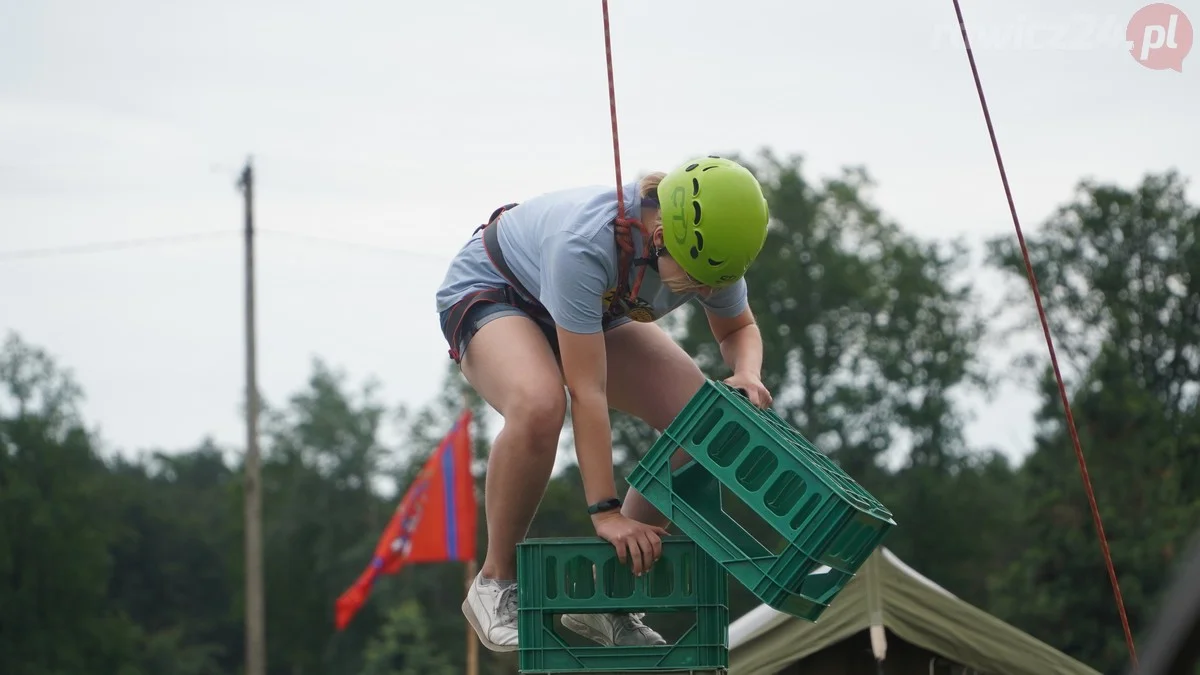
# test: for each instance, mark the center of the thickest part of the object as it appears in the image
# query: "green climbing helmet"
(714, 219)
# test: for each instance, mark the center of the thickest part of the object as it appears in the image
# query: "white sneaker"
(491, 609)
(625, 630)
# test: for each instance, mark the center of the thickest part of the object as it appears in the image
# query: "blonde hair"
(649, 183)
(648, 186)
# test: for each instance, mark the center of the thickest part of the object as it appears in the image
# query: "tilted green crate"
(822, 514)
(570, 575)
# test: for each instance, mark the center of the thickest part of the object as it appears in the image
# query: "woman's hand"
(642, 542)
(753, 386)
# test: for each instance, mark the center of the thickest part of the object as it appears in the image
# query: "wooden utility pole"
(256, 639)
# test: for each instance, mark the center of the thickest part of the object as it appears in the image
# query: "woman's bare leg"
(510, 364)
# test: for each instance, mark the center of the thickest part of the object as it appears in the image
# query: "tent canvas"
(889, 596)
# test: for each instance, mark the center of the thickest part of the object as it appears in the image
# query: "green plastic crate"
(573, 575)
(824, 516)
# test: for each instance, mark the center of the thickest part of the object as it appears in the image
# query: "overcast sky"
(399, 125)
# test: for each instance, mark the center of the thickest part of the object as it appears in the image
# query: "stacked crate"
(828, 523)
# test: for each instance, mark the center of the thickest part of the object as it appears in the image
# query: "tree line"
(131, 564)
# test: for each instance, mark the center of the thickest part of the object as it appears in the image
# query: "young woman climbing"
(561, 290)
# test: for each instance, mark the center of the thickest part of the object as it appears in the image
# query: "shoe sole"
(584, 630)
(580, 628)
(467, 612)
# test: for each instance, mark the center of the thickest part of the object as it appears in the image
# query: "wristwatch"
(604, 505)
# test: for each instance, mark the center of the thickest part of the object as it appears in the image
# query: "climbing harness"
(514, 292)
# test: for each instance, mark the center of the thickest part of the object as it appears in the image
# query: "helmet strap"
(651, 260)
(652, 252)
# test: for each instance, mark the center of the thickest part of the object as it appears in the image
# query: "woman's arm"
(574, 280)
(573, 284)
(742, 349)
(585, 369)
(733, 325)
(740, 341)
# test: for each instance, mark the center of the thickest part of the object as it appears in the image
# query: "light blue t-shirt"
(560, 246)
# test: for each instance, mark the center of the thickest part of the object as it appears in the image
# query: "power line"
(103, 246)
(147, 242)
(349, 244)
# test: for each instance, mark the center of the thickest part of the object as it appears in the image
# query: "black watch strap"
(604, 505)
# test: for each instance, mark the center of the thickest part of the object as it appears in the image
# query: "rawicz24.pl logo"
(1159, 36)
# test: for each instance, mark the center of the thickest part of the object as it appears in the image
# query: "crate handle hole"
(579, 578)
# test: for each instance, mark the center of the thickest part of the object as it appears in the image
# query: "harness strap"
(491, 244)
(459, 311)
(513, 293)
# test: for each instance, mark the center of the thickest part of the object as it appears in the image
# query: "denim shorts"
(481, 313)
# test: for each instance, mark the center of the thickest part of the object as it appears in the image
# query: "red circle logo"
(1159, 36)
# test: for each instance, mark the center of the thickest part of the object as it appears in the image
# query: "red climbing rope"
(612, 111)
(623, 225)
(1062, 390)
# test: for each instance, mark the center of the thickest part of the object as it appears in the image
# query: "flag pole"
(470, 572)
(472, 639)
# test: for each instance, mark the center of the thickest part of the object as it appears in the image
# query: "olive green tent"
(890, 620)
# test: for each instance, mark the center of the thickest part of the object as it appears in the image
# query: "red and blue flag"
(434, 522)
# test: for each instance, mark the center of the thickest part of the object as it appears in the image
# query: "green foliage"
(403, 646)
(133, 564)
(1119, 268)
(172, 573)
(867, 330)
(56, 527)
